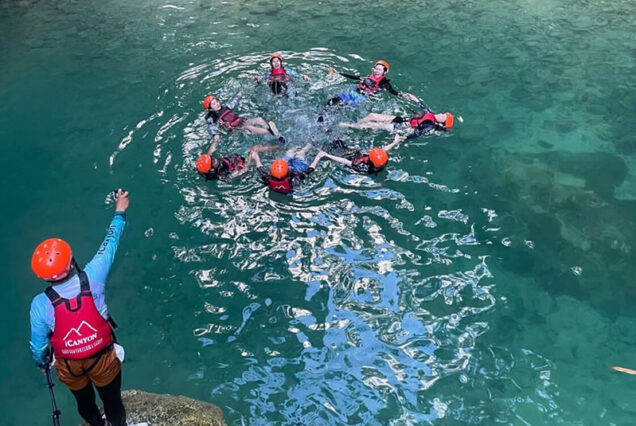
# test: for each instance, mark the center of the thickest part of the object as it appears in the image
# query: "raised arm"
(97, 269)
(214, 145)
(396, 140)
(232, 104)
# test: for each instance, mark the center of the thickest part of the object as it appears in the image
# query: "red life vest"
(279, 74)
(80, 330)
(283, 186)
(361, 159)
(419, 119)
(234, 163)
(228, 118)
(371, 84)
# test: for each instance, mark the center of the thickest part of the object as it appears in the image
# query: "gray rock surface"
(169, 410)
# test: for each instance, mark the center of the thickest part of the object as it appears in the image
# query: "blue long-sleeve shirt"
(42, 312)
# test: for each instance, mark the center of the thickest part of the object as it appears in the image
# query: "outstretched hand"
(410, 97)
(399, 138)
(122, 201)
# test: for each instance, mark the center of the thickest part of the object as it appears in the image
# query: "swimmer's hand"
(258, 79)
(331, 70)
(122, 201)
(409, 97)
(306, 77)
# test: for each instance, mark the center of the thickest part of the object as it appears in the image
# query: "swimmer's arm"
(350, 76)
(396, 140)
(212, 148)
(338, 159)
(264, 77)
(312, 166)
(212, 128)
(295, 74)
(233, 102)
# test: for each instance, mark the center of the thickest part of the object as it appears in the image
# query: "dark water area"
(485, 277)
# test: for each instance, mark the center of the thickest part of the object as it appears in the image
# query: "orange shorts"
(77, 373)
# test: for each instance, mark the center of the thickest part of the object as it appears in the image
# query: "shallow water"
(486, 277)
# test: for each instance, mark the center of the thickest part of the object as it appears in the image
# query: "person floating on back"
(421, 123)
(287, 174)
(225, 116)
(278, 77)
(373, 162)
(220, 168)
(71, 315)
(367, 86)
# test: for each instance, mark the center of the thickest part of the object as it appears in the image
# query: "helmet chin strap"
(76, 265)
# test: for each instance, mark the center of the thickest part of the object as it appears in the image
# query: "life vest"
(283, 186)
(422, 118)
(228, 118)
(80, 330)
(278, 74)
(234, 163)
(371, 84)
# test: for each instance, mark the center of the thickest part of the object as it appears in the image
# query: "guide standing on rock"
(72, 317)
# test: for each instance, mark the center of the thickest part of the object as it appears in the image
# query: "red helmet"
(275, 55)
(384, 63)
(207, 101)
(51, 260)
(204, 163)
(378, 157)
(449, 120)
(279, 168)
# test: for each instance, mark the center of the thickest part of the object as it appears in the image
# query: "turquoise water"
(486, 277)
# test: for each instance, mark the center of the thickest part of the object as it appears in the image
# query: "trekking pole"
(55, 415)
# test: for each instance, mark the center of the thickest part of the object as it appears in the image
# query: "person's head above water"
(276, 60)
(211, 103)
(279, 169)
(378, 157)
(52, 260)
(204, 163)
(381, 67)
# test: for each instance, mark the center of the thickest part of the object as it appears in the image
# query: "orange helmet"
(51, 260)
(204, 163)
(384, 63)
(276, 55)
(449, 120)
(378, 157)
(207, 101)
(279, 168)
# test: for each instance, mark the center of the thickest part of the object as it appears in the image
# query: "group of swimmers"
(287, 173)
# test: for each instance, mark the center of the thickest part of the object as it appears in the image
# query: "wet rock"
(169, 410)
